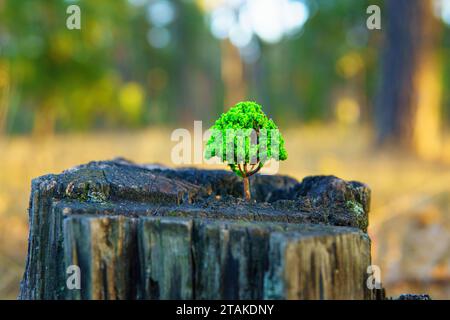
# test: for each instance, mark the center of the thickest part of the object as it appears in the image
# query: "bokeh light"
(442, 10)
(347, 110)
(161, 13)
(158, 37)
(270, 20)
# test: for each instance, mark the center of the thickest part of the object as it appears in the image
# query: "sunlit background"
(368, 105)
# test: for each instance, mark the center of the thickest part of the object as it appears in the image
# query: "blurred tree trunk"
(4, 106)
(409, 99)
(45, 119)
(5, 88)
(232, 75)
(193, 78)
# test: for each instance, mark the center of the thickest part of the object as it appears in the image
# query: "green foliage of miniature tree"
(245, 138)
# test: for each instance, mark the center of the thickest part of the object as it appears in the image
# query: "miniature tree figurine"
(245, 138)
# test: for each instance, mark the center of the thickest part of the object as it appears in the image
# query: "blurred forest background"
(369, 105)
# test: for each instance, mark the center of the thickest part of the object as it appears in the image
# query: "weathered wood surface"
(141, 232)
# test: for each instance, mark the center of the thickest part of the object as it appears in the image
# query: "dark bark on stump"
(146, 233)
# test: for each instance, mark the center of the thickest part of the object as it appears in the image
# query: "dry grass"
(399, 184)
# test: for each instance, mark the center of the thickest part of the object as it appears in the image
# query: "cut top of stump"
(119, 187)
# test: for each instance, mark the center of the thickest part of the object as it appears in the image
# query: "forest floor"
(410, 211)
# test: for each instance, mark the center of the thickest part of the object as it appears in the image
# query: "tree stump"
(148, 232)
